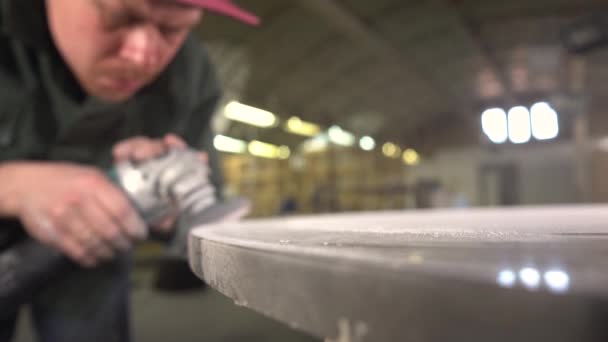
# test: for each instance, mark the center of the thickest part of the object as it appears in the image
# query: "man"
(85, 83)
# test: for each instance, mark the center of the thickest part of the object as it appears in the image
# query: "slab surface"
(486, 274)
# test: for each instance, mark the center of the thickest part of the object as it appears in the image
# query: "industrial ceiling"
(416, 72)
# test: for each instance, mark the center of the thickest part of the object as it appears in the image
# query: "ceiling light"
(264, 150)
(494, 125)
(283, 152)
(316, 144)
(295, 125)
(530, 277)
(250, 115)
(519, 125)
(391, 150)
(557, 280)
(411, 157)
(227, 144)
(367, 143)
(506, 278)
(545, 123)
(341, 137)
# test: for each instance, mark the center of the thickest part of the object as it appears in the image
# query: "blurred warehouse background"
(368, 105)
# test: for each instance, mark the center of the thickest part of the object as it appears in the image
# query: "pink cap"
(225, 7)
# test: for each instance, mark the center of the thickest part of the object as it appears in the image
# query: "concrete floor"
(201, 316)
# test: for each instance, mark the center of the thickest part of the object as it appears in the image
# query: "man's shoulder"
(194, 52)
(3, 5)
(7, 57)
(4, 34)
(194, 69)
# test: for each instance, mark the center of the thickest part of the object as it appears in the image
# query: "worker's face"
(116, 47)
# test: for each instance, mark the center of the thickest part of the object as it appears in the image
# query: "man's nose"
(141, 47)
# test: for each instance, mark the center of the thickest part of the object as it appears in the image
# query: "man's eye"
(170, 31)
(121, 21)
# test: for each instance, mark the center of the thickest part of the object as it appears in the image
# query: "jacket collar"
(25, 21)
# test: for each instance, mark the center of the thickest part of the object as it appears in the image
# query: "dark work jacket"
(45, 115)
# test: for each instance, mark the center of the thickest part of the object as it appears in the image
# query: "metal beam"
(568, 10)
(353, 27)
(472, 30)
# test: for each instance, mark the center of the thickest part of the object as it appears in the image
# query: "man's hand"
(143, 148)
(73, 208)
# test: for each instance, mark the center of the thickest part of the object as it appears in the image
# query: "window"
(520, 124)
(494, 125)
(545, 124)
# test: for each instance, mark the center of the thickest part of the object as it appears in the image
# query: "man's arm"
(205, 93)
(74, 208)
(200, 135)
(8, 205)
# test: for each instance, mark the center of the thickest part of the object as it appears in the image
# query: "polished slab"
(525, 274)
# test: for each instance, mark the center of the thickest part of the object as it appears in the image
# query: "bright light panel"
(530, 277)
(295, 125)
(250, 115)
(283, 152)
(228, 144)
(519, 125)
(341, 137)
(557, 280)
(264, 150)
(316, 144)
(367, 143)
(391, 150)
(494, 125)
(506, 278)
(545, 123)
(411, 157)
